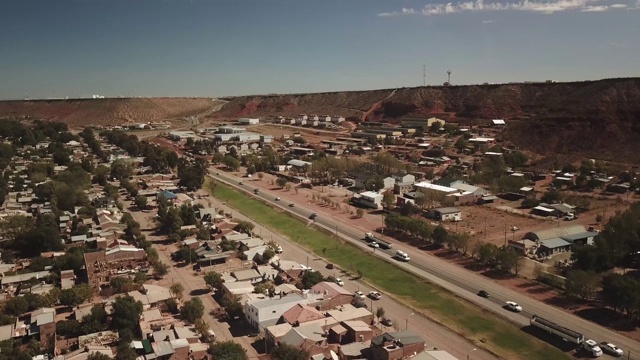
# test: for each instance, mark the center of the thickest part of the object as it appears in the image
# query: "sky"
(238, 47)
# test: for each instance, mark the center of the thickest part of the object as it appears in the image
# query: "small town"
(149, 242)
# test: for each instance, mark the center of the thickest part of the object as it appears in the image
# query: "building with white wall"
(249, 121)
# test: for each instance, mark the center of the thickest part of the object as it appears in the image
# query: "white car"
(279, 249)
(278, 198)
(374, 244)
(339, 282)
(592, 347)
(611, 349)
(359, 295)
(513, 306)
(375, 295)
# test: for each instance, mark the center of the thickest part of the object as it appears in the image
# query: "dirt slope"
(107, 111)
(593, 118)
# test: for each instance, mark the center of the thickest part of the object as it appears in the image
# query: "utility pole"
(424, 75)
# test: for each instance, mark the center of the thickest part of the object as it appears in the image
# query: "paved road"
(460, 281)
(402, 316)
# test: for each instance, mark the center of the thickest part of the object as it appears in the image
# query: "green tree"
(359, 212)
(281, 182)
(310, 278)
(288, 352)
(141, 202)
(488, 254)
(160, 269)
(581, 284)
(125, 352)
(507, 260)
(227, 350)
(380, 313)
(121, 169)
(461, 143)
(192, 310)
(244, 226)
(121, 284)
(231, 163)
(213, 279)
(231, 305)
(70, 328)
(388, 199)
(76, 295)
(176, 290)
(126, 313)
(98, 356)
(621, 292)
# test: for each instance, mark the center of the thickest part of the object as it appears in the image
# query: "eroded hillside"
(78, 112)
(591, 118)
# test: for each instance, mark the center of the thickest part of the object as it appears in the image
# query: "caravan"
(402, 256)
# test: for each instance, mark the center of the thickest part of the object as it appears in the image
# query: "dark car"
(313, 216)
(292, 205)
(386, 322)
(483, 294)
(330, 266)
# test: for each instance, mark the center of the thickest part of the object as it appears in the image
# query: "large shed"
(556, 232)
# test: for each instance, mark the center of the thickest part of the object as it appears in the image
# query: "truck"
(567, 335)
(369, 237)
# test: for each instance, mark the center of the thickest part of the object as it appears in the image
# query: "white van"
(401, 255)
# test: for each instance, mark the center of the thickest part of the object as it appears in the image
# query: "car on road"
(313, 216)
(240, 183)
(483, 293)
(374, 295)
(292, 205)
(611, 349)
(256, 191)
(278, 249)
(277, 199)
(359, 295)
(217, 173)
(513, 306)
(386, 322)
(339, 282)
(374, 244)
(592, 347)
(330, 266)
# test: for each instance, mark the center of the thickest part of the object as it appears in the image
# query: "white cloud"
(487, 21)
(599, 8)
(536, 6)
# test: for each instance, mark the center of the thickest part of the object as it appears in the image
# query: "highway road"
(463, 283)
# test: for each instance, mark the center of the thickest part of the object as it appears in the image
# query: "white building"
(265, 312)
(446, 214)
(248, 121)
(370, 199)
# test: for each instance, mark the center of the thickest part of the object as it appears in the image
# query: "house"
(474, 190)
(434, 355)
(498, 122)
(247, 275)
(311, 337)
(262, 313)
(353, 351)
(446, 214)
(370, 199)
(300, 314)
(237, 287)
(254, 254)
(334, 295)
(150, 295)
(356, 330)
(554, 232)
(349, 312)
(388, 182)
(430, 186)
(396, 345)
(249, 243)
(15, 280)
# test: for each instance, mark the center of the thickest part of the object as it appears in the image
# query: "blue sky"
(230, 47)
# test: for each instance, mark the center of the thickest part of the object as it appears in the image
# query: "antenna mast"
(449, 76)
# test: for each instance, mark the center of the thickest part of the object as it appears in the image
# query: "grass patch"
(500, 336)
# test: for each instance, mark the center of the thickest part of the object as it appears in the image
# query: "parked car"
(386, 322)
(513, 306)
(611, 349)
(592, 346)
(339, 282)
(375, 295)
(278, 249)
(359, 295)
(483, 293)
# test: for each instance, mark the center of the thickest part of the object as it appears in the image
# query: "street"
(457, 280)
